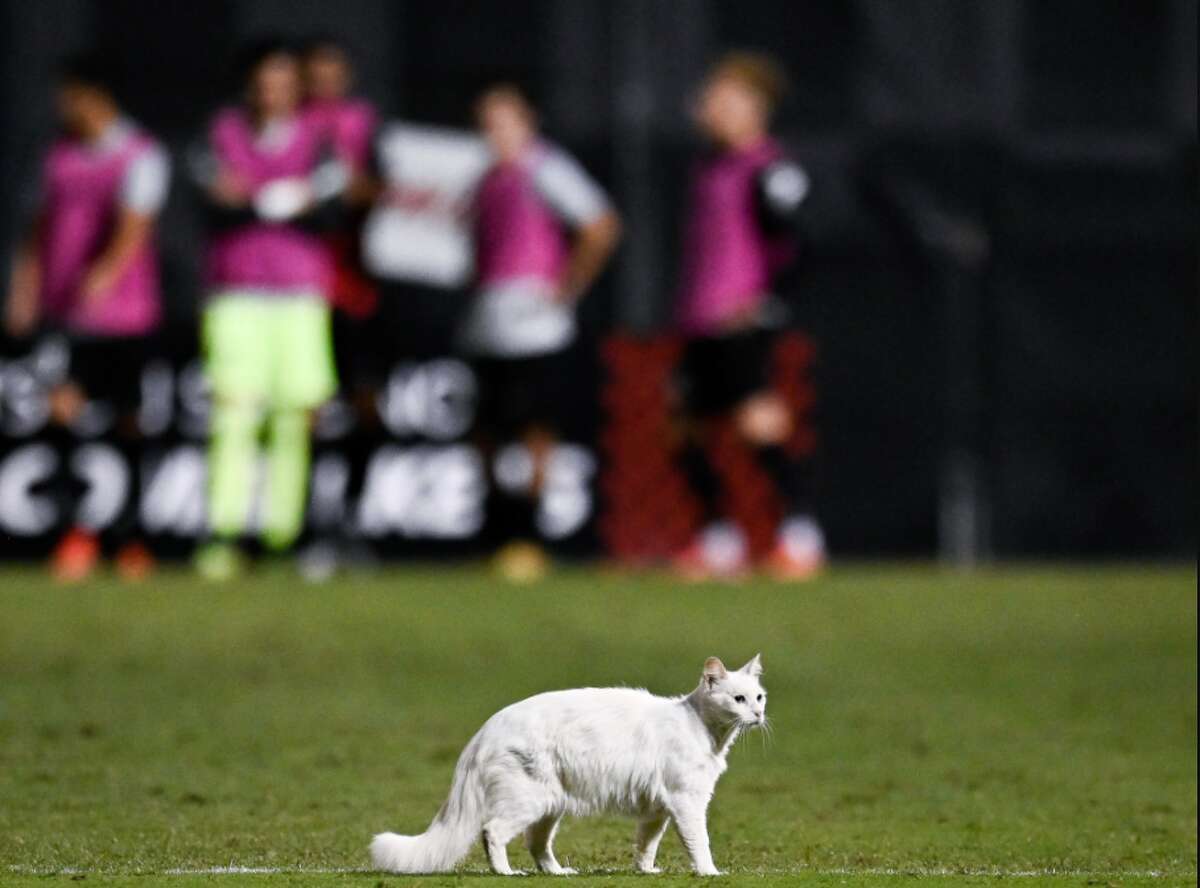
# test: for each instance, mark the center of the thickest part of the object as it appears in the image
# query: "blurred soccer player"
(544, 231)
(88, 268)
(348, 125)
(740, 234)
(266, 326)
(348, 121)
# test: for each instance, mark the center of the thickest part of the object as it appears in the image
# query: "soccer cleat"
(799, 552)
(134, 562)
(218, 562)
(717, 553)
(318, 562)
(521, 562)
(784, 566)
(75, 556)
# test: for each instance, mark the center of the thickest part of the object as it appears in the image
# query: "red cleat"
(134, 562)
(75, 556)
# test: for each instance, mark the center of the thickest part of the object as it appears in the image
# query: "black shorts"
(412, 322)
(717, 373)
(516, 394)
(109, 368)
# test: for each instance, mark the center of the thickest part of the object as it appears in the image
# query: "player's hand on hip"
(98, 283)
(21, 308)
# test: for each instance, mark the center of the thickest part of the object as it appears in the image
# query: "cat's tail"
(450, 836)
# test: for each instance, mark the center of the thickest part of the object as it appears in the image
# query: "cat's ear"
(714, 671)
(754, 667)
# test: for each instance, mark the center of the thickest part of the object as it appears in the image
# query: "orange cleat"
(134, 562)
(75, 556)
(787, 567)
(799, 552)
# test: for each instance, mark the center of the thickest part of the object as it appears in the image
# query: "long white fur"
(588, 751)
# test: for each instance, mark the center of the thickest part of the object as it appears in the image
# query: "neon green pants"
(269, 361)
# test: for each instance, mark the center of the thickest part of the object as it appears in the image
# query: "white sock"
(802, 538)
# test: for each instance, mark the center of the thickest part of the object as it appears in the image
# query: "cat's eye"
(739, 699)
(760, 698)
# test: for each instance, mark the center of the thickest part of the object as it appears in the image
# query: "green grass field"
(1018, 726)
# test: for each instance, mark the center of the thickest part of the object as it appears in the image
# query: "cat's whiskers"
(768, 732)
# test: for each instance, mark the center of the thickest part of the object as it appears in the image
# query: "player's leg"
(288, 457)
(236, 343)
(127, 359)
(508, 433)
(766, 422)
(232, 452)
(303, 376)
(710, 386)
(77, 552)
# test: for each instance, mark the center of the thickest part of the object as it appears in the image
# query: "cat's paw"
(650, 870)
(567, 871)
(710, 872)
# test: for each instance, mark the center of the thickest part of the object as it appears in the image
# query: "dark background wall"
(1003, 270)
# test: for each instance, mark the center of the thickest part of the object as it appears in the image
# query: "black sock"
(703, 479)
(793, 479)
(125, 527)
(64, 488)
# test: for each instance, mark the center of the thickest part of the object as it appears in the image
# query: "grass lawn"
(1017, 726)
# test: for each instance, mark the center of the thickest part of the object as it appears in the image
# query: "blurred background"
(998, 294)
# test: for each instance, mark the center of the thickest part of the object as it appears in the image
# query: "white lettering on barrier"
(103, 469)
(430, 492)
(23, 512)
(566, 501)
(24, 407)
(174, 495)
(417, 492)
(435, 399)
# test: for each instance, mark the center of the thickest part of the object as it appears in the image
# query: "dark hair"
(253, 54)
(506, 91)
(326, 42)
(92, 69)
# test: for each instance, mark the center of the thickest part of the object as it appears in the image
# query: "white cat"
(587, 751)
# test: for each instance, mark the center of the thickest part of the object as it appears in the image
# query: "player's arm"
(781, 193)
(132, 231)
(225, 195)
(143, 193)
(324, 207)
(782, 203)
(21, 308)
(580, 202)
(23, 302)
(226, 203)
(313, 202)
(366, 183)
(594, 244)
(363, 158)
